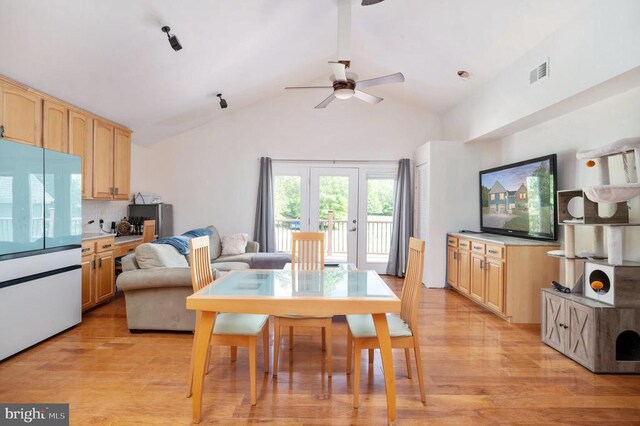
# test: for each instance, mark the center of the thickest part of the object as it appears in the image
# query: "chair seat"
(304, 316)
(362, 326)
(241, 324)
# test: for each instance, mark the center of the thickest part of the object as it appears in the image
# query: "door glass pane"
(286, 210)
(333, 216)
(21, 192)
(379, 219)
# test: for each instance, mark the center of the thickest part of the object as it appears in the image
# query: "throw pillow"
(234, 244)
(151, 256)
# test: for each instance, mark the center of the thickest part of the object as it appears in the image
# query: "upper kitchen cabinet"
(20, 114)
(122, 164)
(55, 135)
(102, 160)
(111, 161)
(81, 143)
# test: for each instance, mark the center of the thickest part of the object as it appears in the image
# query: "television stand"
(503, 274)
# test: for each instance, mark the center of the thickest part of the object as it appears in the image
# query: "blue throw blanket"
(181, 242)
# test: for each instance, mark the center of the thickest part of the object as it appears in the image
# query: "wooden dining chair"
(403, 329)
(148, 231)
(229, 329)
(307, 253)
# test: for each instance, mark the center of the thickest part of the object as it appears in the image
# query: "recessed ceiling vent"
(539, 72)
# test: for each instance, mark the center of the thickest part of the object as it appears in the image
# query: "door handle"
(353, 229)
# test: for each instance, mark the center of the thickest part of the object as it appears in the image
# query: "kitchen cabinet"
(55, 135)
(20, 114)
(98, 274)
(111, 161)
(81, 143)
(502, 274)
(122, 164)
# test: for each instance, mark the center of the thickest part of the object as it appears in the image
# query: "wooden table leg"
(382, 330)
(193, 351)
(201, 343)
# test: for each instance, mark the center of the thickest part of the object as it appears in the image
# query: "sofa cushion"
(227, 266)
(215, 244)
(150, 256)
(245, 258)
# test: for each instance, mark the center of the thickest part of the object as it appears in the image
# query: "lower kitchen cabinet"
(98, 274)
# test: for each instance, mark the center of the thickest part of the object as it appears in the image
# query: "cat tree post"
(615, 244)
(570, 254)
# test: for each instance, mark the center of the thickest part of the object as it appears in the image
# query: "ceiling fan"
(345, 84)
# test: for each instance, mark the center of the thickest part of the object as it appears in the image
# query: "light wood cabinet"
(504, 274)
(105, 276)
(81, 143)
(464, 270)
(452, 266)
(111, 162)
(55, 133)
(30, 117)
(122, 164)
(98, 274)
(21, 114)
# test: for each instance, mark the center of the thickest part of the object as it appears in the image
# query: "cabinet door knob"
(100, 262)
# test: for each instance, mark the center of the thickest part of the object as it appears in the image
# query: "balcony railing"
(336, 231)
(36, 229)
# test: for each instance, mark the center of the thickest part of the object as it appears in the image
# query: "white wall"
(210, 173)
(451, 202)
(596, 125)
(594, 56)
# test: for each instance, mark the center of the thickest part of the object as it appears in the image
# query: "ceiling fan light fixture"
(345, 93)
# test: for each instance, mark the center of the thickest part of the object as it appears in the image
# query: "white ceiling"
(111, 58)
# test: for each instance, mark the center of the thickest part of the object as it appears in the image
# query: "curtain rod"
(284, 160)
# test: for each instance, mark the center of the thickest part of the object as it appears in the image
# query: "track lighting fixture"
(173, 40)
(223, 103)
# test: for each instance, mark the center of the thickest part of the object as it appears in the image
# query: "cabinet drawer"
(477, 247)
(464, 244)
(452, 241)
(88, 248)
(125, 249)
(495, 251)
(105, 244)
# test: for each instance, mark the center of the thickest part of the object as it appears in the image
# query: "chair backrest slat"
(200, 262)
(148, 231)
(410, 298)
(307, 251)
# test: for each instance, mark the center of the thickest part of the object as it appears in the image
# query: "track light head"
(223, 103)
(173, 40)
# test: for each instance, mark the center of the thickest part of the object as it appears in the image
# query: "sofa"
(156, 280)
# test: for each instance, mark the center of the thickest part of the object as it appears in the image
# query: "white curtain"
(402, 221)
(264, 229)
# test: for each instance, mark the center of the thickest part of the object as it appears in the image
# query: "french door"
(352, 205)
(333, 209)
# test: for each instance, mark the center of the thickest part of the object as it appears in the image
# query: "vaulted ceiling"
(111, 58)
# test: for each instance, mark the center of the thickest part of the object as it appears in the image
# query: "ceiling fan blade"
(367, 97)
(387, 79)
(309, 87)
(326, 101)
(370, 2)
(339, 71)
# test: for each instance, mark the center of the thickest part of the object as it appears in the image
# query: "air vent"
(539, 72)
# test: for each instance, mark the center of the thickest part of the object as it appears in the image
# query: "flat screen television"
(519, 199)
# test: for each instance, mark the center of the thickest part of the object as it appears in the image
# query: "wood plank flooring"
(478, 369)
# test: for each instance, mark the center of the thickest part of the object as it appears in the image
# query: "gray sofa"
(156, 280)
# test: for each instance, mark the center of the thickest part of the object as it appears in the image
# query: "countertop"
(118, 240)
(503, 239)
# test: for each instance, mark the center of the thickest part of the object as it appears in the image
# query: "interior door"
(333, 209)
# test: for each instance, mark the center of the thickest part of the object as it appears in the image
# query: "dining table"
(293, 292)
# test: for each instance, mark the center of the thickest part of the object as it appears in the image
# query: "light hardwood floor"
(478, 370)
